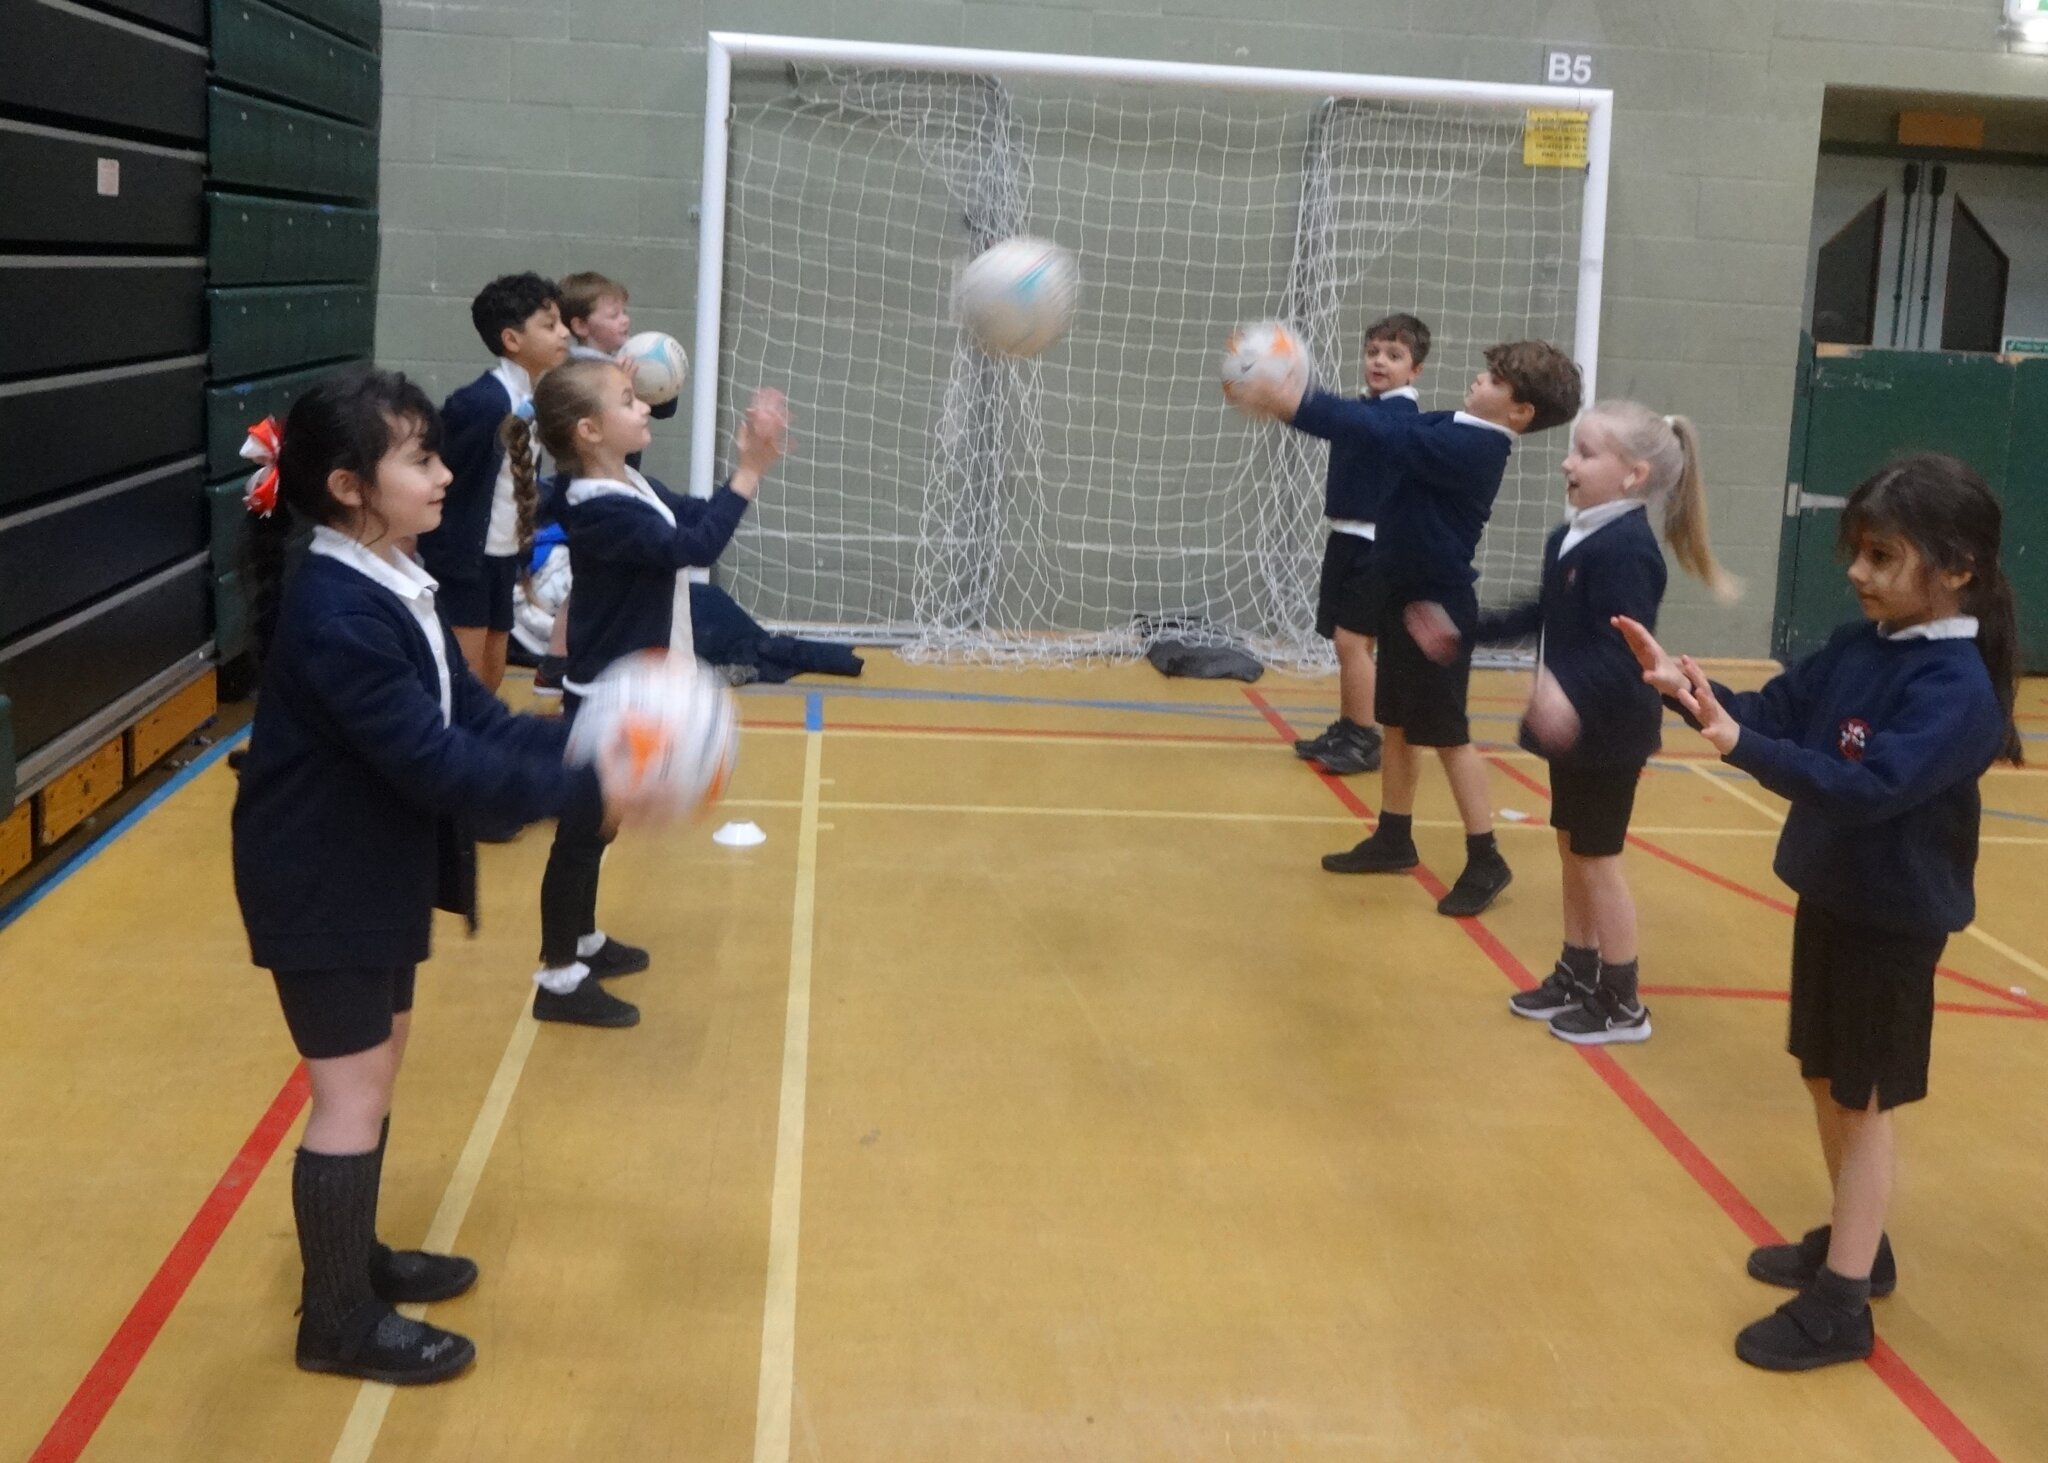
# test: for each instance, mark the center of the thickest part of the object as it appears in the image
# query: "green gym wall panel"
(56, 190)
(59, 682)
(360, 20)
(2025, 550)
(6, 753)
(71, 63)
(231, 617)
(186, 17)
(277, 326)
(56, 433)
(260, 144)
(68, 554)
(261, 49)
(73, 316)
(233, 407)
(277, 241)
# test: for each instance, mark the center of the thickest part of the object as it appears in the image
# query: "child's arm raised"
(618, 528)
(368, 684)
(1943, 734)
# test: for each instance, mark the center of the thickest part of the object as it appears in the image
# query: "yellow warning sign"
(1554, 139)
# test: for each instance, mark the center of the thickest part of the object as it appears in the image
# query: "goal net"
(1101, 495)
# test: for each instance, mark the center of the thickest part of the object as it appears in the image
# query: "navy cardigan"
(351, 823)
(623, 560)
(1878, 745)
(1447, 473)
(1618, 569)
(1360, 479)
(470, 445)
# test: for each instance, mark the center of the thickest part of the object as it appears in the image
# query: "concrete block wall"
(566, 134)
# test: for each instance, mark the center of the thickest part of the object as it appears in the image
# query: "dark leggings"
(568, 890)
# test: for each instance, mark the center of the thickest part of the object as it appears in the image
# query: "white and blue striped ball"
(1018, 296)
(658, 366)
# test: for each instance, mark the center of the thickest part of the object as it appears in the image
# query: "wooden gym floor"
(1029, 1094)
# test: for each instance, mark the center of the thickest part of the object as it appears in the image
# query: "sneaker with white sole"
(1603, 1018)
(1559, 995)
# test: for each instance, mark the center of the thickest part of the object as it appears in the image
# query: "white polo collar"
(394, 571)
(1407, 393)
(514, 378)
(1467, 419)
(633, 485)
(1954, 627)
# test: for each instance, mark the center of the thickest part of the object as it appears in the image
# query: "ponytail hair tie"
(265, 442)
(1671, 422)
(524, 411)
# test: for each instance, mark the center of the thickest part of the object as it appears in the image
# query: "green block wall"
(567, 134)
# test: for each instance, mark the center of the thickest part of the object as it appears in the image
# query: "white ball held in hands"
(1266, 354)
(663, 732)
(658, 366)
(1018, 296)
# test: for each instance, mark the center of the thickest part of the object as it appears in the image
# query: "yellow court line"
(776, 1392)
(1734, 790)
(373, 1399)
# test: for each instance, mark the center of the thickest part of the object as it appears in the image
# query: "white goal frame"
(724, 49)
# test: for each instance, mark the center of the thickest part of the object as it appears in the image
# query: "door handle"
(1798, 501)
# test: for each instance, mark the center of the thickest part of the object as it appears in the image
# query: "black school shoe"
(1375, 855)
(1309, 748)
(547, 676)
(1351, 752)
(615, 957)
(1477, 887)
(589, 1004)
(1602, 1018)
(414, 1277)
(1804, 1333)
(1795, 1266)
(379, 1345)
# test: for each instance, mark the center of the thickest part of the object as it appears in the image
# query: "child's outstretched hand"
(1716, 725)
(1430, 626)
(763, 439)
(1659, 669)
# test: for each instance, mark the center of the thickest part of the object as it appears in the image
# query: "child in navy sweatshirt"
(1877, 741)
(373, 748)
(1348, 594)
(630, 543)
(1447, 468)
(486, 531)
(1591, 717)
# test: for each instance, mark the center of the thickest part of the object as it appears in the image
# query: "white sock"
(590, 944)
(561, 979)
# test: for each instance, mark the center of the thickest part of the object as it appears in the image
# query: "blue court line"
(134, 815)
(2016, 817)
(814, 711)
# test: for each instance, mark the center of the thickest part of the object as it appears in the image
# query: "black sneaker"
(1558, 995)
(1375, 855)
(1804, 1333)
(614, 957)
(589, 1004)
(1309, 748)
(1603, 1018)
(1795, 1266)
(1477, 887)
(1351, 752)
(402, 1277)
(379, 1345)
(547, 676)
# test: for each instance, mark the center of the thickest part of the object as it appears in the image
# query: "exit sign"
(2021, 345)
(2027, 19)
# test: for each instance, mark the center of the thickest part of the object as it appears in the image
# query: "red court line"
(2027, 1004)
(96, 1395)
(1907, 1385)
(1334, 783)
(1191, 738)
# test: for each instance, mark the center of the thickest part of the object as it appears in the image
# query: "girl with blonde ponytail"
(1591, 716)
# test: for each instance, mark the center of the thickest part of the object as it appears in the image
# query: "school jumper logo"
(1852, 737)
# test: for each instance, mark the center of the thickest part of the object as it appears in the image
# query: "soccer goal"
(1083, 502)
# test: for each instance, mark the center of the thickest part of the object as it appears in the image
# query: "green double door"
(1856, 410)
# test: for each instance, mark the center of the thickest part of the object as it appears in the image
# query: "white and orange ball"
(657, 365)
(1266, 352)
(1018, 296)
(670, 725)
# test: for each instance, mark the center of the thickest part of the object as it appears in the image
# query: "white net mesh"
(1077, 504)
